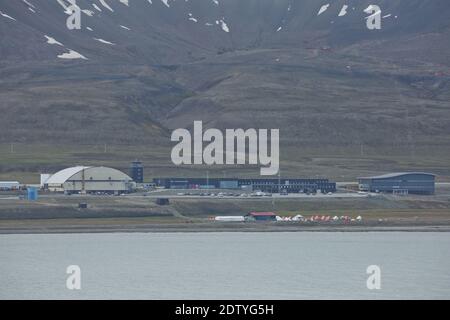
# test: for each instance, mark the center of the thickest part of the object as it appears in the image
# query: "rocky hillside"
(138, 68)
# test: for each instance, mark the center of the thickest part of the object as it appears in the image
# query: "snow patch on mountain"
(71, 55)
(96, 7)
(323, 9)
(104, 4)
(223, 25)
(29, 4)
(104, 41)
(7, 16)
(343, 11)
(51, 40)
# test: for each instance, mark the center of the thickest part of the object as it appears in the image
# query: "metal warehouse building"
(89, 180)
(399, 183)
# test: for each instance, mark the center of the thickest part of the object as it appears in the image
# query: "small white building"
(9, 185)
(90, 180)
(229, 219)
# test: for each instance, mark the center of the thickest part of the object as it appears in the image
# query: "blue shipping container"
(32, 194)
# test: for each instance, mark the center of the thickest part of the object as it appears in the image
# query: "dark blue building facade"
(272, 185)
(404, 183)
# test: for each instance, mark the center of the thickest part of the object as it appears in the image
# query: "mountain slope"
(153, 32)
(140, 68)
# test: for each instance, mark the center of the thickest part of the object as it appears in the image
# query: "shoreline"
(202, 228)
(62, 215)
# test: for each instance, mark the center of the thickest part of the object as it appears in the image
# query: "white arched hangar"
(90, 180)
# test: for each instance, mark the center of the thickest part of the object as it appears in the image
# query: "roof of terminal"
(396, 174)
(262, 214)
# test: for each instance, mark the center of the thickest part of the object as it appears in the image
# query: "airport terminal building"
(399, 183)
(271, 185)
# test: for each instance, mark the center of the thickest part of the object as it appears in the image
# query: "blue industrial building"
(399, 183)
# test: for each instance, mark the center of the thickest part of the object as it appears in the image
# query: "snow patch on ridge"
(71, 55)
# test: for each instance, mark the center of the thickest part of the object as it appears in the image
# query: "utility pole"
(83, 183)
(279, 181)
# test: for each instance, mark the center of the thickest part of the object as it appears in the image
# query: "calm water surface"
(226, 265)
